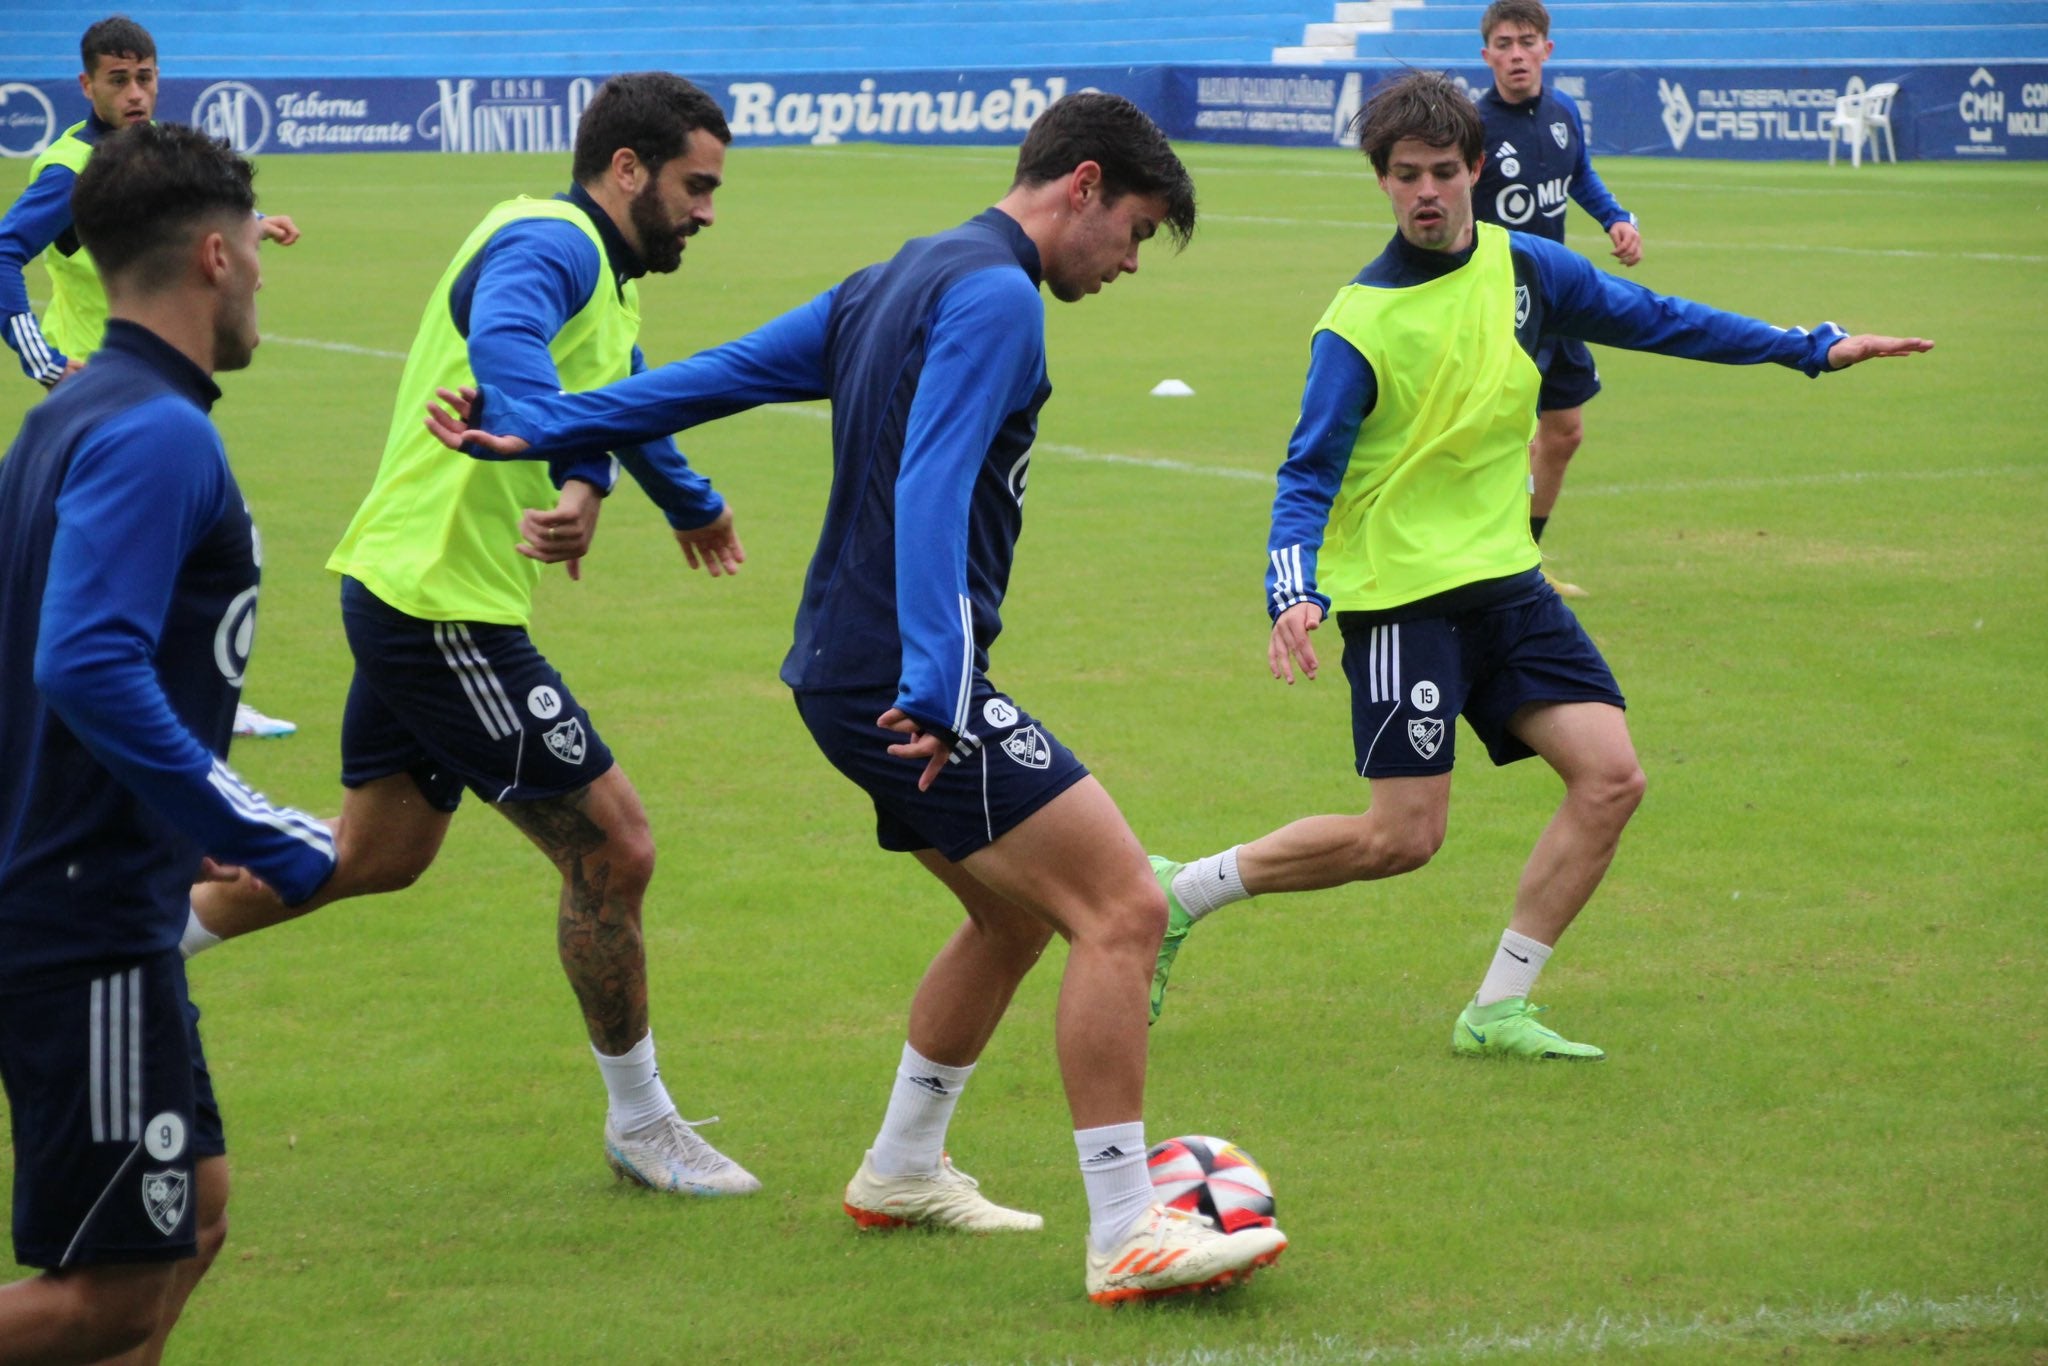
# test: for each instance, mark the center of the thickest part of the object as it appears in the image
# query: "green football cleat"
(1508, 1029)
(1178, 923)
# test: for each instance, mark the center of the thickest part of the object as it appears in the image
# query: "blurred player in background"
(128, 577)
(1535, 157)
(449, 689)
(935, 365)
(119, 81)
(1403, 508)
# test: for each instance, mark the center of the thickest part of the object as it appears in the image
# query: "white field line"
(1603, 1334)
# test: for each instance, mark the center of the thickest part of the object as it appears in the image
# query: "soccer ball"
(1213, 1177)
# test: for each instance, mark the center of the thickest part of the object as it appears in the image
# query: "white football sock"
(1118, 1181)
(198, 939)
(1209, 884)
(1513, 971)
(913, 1132)
(633, 1082)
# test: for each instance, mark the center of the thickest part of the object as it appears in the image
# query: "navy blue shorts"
(1569, 376)
(1411, 680)
(112, 1108)
(998, 776)
(459, 704)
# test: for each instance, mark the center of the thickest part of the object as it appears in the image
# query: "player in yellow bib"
(1403, 508)
(119, 80)
(437, 586)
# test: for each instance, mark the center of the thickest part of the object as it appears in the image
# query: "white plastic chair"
(1860, 118)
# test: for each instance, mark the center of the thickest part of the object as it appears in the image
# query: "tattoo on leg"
(598, 927)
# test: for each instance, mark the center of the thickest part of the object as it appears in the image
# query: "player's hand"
(451, 428)
(922, 744)
(279, 228)
(1290, 642)
(714, 548)
(1628, 243)
(1855, 350)
(564, 532)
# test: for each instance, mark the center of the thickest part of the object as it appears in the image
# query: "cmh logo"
(1982, 106)
(27, 120)
(234, 113)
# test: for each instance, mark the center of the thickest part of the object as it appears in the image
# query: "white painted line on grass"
(1606, 1335)
(346, 348)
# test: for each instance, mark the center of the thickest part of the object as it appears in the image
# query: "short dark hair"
(115, 36)
(1116, 135)
(1530, 12)
(1425, 105)
(652, 112)
(145, 188)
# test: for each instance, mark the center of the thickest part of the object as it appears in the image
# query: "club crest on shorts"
(1427, 735)
(565, 741)
(163, 1199)
(1028, 747)
(1521, 305)
(1562, 131)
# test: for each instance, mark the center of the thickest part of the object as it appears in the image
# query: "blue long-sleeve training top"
(935, 364)
(511, 300)
(128, 577)
(1536, 160)
(1558, 292)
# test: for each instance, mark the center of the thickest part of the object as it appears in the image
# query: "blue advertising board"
(1995, 111)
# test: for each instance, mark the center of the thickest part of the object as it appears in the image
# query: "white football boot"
(668, 1155)
(946, 1198)
(1174, 1252)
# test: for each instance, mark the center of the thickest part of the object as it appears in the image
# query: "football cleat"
(946, 1198)
(1508, 1029)
(1178, 923)
(668, 1155)
(249, 721)
(1174, 1252)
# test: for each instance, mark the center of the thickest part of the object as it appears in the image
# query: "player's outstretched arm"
(1866, 346)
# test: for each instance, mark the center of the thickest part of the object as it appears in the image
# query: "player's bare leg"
(83, 1315)
(597, 838)
(907, 1177)
(969, 985)
(386, 836)
(1558, 434)
(1588, 744)
(1076, 865)
(210, 1182)
(1399, 832)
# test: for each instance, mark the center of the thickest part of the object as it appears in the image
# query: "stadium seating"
(224, 38)
(533, 37)
(1731, 32)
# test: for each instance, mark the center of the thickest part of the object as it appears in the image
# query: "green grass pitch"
(1817, 965)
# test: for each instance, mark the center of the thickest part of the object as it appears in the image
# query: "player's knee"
(1615, 793)
(106, 1318)
(213, 1236)
(631, 855)
(1138, 918)
(1393, 848)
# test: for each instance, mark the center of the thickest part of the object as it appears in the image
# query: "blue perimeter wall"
(1994, 111)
